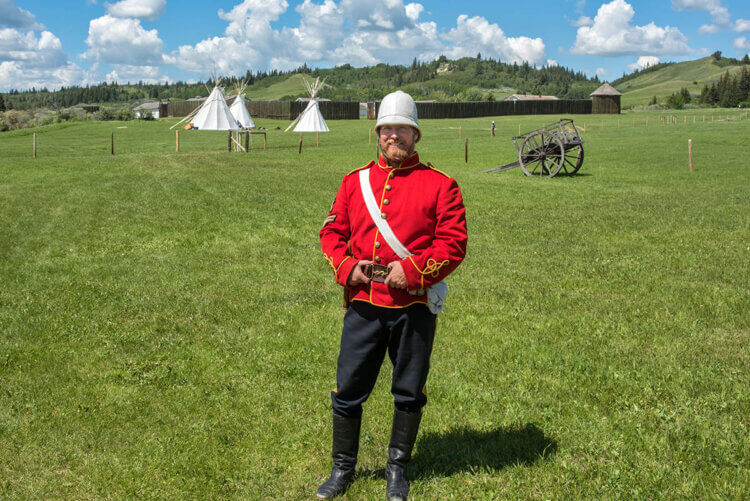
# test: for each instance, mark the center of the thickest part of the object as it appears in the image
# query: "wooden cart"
(548, 150)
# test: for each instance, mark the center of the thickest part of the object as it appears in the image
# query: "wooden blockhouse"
(605, 99)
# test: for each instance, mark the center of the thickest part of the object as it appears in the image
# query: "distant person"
(396, 229)
(493, 128)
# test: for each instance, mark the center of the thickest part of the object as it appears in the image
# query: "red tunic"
(424, 209)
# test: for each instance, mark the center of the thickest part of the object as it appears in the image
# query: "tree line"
(729, 91)
(443, 79)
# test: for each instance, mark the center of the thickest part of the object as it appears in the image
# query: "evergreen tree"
(2, 104)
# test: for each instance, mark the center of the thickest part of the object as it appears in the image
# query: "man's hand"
(396, 277)
(357, 275)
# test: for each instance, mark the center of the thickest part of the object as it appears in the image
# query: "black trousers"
(369, 331)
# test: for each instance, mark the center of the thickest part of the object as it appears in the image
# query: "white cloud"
(600, 72)
(583, 21)
(742, 25)
(15, 75)
(128, 73)
(12, 16)
(250, 20)
(372, 47)
(390, 15)
(123, 41)
(28, 59)
(349, 31)
(141, 9)
(249, 42)
(613, 35)
(28, 51)
(708, 29)
(643, 62)
(345, 31)
(220, 55)
(742, 43)
(413, 11)
(552, 62)
(319, 30)
(719, 14)
(475, 34)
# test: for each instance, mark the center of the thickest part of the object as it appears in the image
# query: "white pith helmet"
(398, 108)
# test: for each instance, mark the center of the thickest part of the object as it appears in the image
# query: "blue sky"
(67, 42)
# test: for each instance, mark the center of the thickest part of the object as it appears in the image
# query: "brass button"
(391, 175)
(377, 245)
(383, 215)
(377, 259)
(388, 187)
(386, 201)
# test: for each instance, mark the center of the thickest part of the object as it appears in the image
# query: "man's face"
(397, 142)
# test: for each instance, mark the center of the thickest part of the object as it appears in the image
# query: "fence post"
(247, 142)
(466, 151)
(229, 141)
(690, 153)
(112, 143)
(300, 144)
(177, 141)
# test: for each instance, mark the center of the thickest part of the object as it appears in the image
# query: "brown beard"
(397, 156)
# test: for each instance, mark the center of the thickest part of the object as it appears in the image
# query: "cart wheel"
(541, 154)
(573, 159)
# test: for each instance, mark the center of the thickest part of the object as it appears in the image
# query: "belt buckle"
(378, 272)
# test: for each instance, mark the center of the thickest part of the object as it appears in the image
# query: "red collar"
(412, 161)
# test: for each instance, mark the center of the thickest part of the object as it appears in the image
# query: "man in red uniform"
(391, 257)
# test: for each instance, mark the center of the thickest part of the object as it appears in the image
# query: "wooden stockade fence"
(349, 110)
(182, 108)
(289, 110)
(279, 110)
(499, 108)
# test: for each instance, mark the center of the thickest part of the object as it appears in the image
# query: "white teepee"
(213, 114)
(311, 120)
(239, 110)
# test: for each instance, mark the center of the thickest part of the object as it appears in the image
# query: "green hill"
(292, 86)
(672, 77)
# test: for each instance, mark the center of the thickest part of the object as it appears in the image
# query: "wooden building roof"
(605, 90)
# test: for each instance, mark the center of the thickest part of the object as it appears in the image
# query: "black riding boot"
(403, 436)
(345, 447)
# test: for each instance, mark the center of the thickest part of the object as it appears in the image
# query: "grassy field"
(169, 326)
(662, 83)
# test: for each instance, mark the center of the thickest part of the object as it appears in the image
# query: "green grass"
(169, 327)
(666, 81)
(290, 87)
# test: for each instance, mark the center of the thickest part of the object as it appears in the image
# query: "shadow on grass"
(466, 450)
(562, 175)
